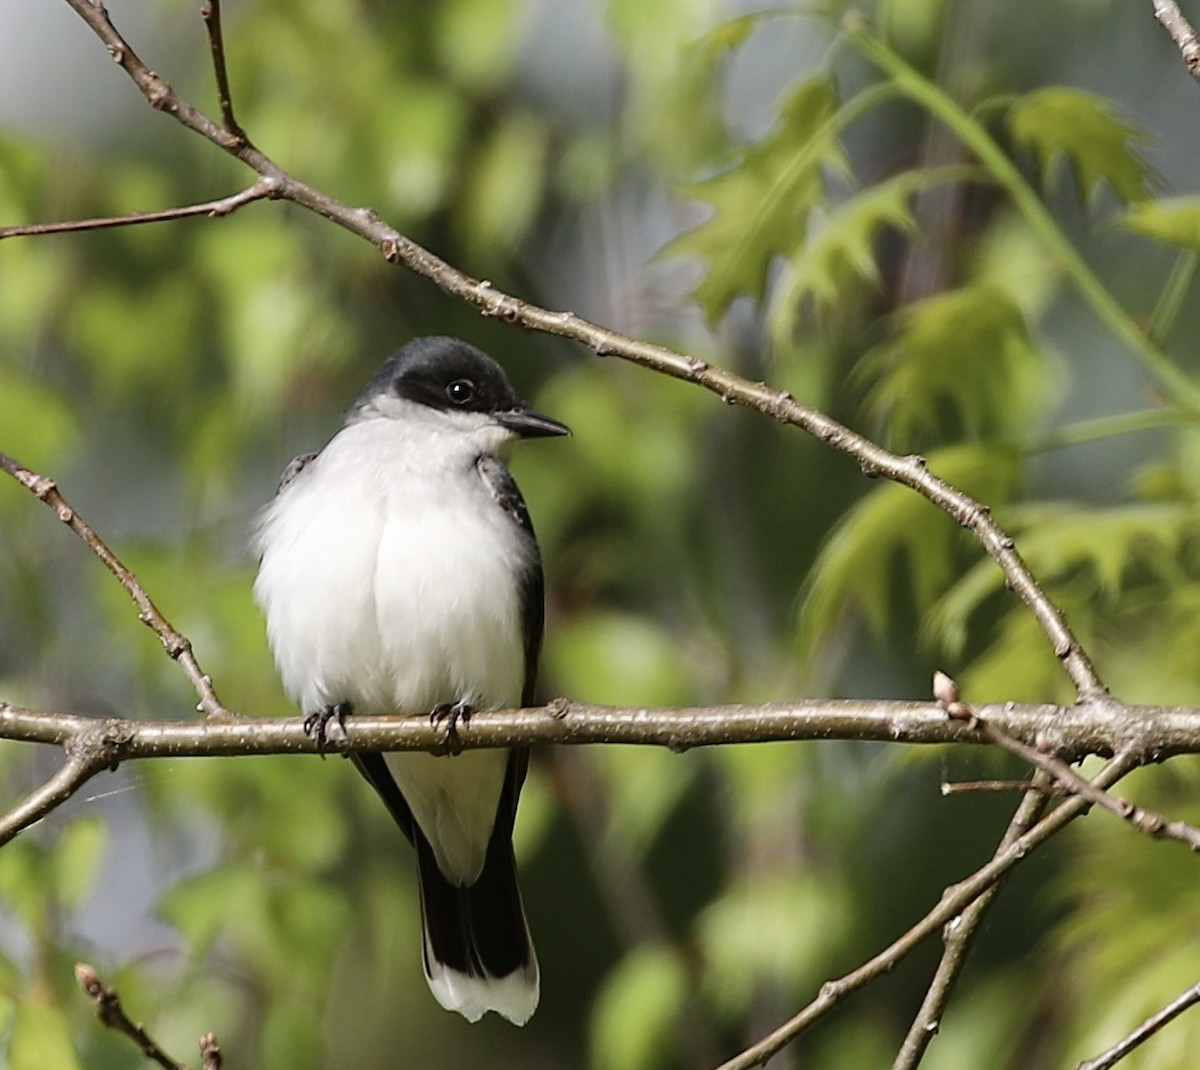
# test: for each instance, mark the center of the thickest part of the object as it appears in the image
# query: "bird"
(399, 572)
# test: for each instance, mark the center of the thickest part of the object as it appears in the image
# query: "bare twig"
(961, 787)
(958, 936)
(112, 1014)
(177, 645)
(210, 1052)
(261, 189)
(954, 900)
(910, 471)
(1143, 1032)
(210, 12)
(1040, 754)
(1171, 19)
(74, 773)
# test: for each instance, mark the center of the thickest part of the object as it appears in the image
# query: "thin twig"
(1171, 19)
(210, 12)
(177, 645)
(112, 1014)
(958, 936)
(954, 900)
(261, 189)
(910, 471)
(210, 1052)
(1040, 754)
(961, 787)
(1143, 1032)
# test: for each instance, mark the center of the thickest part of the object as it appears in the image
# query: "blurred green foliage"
(841, 227)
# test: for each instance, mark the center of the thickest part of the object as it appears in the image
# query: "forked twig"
(112, 1014)
(210, 12)
(1147, 821)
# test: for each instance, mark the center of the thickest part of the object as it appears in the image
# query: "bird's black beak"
(530, 424)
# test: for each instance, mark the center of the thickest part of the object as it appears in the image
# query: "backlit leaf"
(965, 354)
(761, 206)
(1060, 124)
(893, 534)
(633, 1017)
(1174, 220)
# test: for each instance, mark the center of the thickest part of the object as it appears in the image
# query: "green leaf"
(506, 187)
(761, 206)
(619, 658)
(633, 1017)
(37, 425)
(41, 1039)
(202, 906)
(894, 533)
(1060, 123)
(1061, 541)
(643, 786)
(1174, 220)
(477, 39)
(776, 930)
(675, 106)
(841, 247)
(967, 351)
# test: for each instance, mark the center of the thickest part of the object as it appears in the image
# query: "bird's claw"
(450, 713)
(317, 724)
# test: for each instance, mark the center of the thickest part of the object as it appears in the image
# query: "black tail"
(478, 956)
(477, 951)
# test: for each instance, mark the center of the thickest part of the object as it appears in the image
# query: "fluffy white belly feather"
(396, 591)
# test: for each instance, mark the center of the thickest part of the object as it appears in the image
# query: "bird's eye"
(461, 391)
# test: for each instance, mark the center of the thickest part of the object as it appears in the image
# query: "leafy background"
(965, 229)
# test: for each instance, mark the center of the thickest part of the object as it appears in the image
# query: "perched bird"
(399, 573)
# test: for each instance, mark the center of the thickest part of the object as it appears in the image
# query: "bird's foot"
(450, 713)
(317, 724)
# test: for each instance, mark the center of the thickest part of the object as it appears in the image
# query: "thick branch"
(1149, 732)
(780, 405)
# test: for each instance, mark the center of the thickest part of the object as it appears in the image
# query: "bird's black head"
(450, 375)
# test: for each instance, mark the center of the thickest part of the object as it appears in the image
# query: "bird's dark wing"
(294, 469)
(531, 583)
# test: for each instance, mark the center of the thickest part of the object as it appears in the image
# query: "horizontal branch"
(1151, 733)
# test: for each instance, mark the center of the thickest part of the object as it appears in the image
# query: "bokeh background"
(746, 186)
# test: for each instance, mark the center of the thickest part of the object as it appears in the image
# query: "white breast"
(389, 580)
